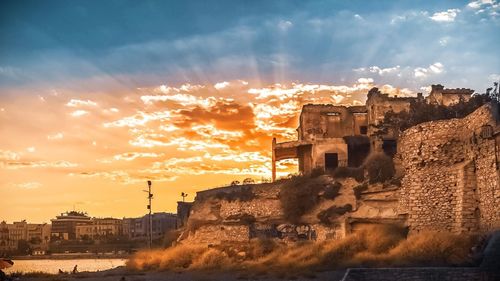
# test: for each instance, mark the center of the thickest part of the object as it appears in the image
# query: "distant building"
(37, 235)
(99, 228)
(138, 228)
(64, 226)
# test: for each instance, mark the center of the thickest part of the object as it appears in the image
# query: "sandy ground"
(120, 274)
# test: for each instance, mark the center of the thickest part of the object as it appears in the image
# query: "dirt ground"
(121, 274)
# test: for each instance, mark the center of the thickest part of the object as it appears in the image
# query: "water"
(53, 266)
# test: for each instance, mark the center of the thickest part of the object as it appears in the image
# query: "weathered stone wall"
(218, 234)
(451, 177)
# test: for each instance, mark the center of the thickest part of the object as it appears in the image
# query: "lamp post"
(150, 197)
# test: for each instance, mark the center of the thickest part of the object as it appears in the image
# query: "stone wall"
(451, 176)
(420, 274)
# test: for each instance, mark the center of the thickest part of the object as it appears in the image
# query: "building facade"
(36, 235)
(64, 226)
(99, 228)
(138, 228)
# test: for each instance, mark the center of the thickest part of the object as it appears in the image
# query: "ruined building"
(449, 171)
(331, 136)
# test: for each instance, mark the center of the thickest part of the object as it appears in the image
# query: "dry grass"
(373, 247)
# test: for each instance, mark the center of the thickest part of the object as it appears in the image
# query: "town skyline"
(90, 110)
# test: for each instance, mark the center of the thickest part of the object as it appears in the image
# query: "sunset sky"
(97, 97)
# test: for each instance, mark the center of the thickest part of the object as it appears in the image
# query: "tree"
(23, 247)
(235, 183)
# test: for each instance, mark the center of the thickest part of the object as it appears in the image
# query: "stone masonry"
(451, 174)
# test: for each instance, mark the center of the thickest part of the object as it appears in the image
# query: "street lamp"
(150, 197)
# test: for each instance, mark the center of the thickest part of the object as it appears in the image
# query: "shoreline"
(72, 256)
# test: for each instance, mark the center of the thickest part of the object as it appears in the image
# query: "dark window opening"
(390, 147)
(331, 161)
(363, 130)
(356, 154)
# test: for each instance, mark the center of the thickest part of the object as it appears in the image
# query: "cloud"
(446, 16)
(284, 25)
(365, 80)
(494, 77)
(38, 164)
(79, 103)
(139, 119)
(56, 136)
(8, 155)
(478, 4)
(127, 177)
(358, 17)
(221, 85)
(31, 149)
(79, 112)
(27, 185)
(129, 156)
(435, 68)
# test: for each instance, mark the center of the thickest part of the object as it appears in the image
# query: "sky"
(97, 97)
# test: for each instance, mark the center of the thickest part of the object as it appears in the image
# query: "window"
(363, 130)
(331, 161)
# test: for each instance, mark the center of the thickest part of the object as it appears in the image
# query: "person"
(75, 269)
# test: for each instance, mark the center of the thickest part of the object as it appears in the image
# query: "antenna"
(150, 197)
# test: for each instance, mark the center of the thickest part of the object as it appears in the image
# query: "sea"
(66, 265)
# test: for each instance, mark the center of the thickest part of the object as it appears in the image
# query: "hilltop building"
(331, 136)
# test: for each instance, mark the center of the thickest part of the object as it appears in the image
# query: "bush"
(333, 212)
(380, 167)
(243, 194)
(376, 245)
(421, 111)
(316, 172)
(349, 172)
(298, 195)
(331, 191)
(359, 189)
(170, 238)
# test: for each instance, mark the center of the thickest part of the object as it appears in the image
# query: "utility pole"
(150, 197)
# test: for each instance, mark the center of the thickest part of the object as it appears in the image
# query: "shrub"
(377, 245)
(421, 111)
(211, 259)
(349, 172)
(261, 247)
(298, 195)
(243, 194)
(316, 172)
(170, 237)
(331, 191)
(359, 189)
(380, 167)
(333, 212)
